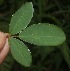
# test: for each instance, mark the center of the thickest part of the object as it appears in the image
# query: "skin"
(2, 40)
(4, 46)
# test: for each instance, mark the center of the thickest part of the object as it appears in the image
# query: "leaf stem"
(14, 36)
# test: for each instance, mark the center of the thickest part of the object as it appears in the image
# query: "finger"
(2, 40)
(4, 51)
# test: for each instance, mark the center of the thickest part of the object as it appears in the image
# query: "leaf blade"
(65, 51)
(21, 18)
(43, 35)
(20, 52)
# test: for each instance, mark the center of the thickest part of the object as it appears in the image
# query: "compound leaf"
(43, 35)
(20, 52)
(21, 18)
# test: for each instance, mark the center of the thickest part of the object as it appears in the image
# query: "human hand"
(4, 46)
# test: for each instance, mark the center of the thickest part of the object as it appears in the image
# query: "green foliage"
(1, 1)
(20, 52)
(57, 60)
(45, 58)
(21, 18)
(44, 51)
(40, 34)
(65, 52)
(43, 35)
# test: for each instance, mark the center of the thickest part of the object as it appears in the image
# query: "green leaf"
(20, 52)
(57, 60)
(44, 51)
(43, 34)
(65, 52)
(21, 18)
(1, 2)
